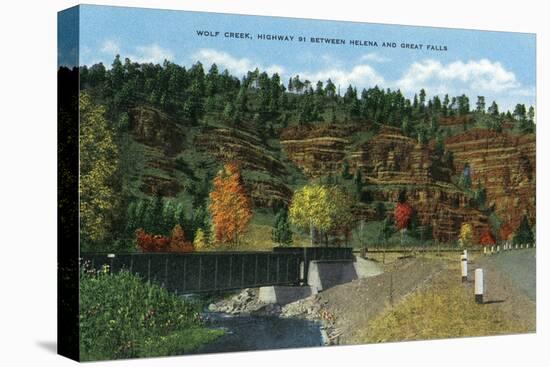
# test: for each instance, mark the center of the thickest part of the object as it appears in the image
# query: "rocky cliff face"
(162, 139)
(154, 129)
(505, 165)
(391, 157)
(263, 173)
(317, 151)
(392, 165)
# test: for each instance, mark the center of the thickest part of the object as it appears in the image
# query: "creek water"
(250, 333)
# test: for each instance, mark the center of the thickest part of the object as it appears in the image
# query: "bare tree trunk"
(311, 233)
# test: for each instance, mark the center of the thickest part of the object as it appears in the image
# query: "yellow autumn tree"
(98, 162)
(466, 234)
(201, 240)
(312, 209)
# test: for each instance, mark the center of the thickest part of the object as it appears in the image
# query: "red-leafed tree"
(506, 232)
(156, 243)
(151, 243)
(402, 214)
(487, 239)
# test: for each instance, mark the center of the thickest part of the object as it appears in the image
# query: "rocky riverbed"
(247, 303)
(343, 309)
(253, 325)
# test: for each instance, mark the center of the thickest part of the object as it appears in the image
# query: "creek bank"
(250, 324)
(316, 308)
(247, 304)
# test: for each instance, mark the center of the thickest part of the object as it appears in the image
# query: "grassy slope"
(259, 233)
(444, 309)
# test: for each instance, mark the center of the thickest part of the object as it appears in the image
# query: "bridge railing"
(307, 254)
(206, 271)
(318, 253)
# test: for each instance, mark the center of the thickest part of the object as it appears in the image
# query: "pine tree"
(358, 183)
(155, 223)
(345, 170)
(493, 109)
(480, 104)
(524, 235)
(281, 232)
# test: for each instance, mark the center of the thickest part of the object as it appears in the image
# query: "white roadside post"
(484, 250)
(464, 268)
(478, 286)
(492, 249)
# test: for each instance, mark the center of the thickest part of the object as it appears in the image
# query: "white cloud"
(525, 92)
(110, 47)
(475, 75)
(237, 66)
(374, 57)
(360, 76)
(152, 54)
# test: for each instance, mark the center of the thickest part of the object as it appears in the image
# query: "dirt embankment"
(358, 302)
(446, 308)
(417, 298)
(348, 308)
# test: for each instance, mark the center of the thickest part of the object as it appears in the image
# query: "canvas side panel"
(67, 183)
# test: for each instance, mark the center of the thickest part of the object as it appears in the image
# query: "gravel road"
(510, 283)
(519, 266)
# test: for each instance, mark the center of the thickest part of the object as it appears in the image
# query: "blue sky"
(498, 65)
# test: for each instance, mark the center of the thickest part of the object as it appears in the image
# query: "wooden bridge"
(219, 271)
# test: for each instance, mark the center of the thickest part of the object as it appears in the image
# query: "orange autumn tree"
(506, 232)
(178, 243)
(230, 206)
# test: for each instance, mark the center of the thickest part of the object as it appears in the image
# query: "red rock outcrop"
(392, 165)
(505, 165)
(317, 151)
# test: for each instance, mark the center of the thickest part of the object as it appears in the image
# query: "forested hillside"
(159, 141)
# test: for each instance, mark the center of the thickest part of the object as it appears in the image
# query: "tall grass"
(446, 309)
(121, 316)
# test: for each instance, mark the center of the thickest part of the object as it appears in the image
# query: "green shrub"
(121, 316)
